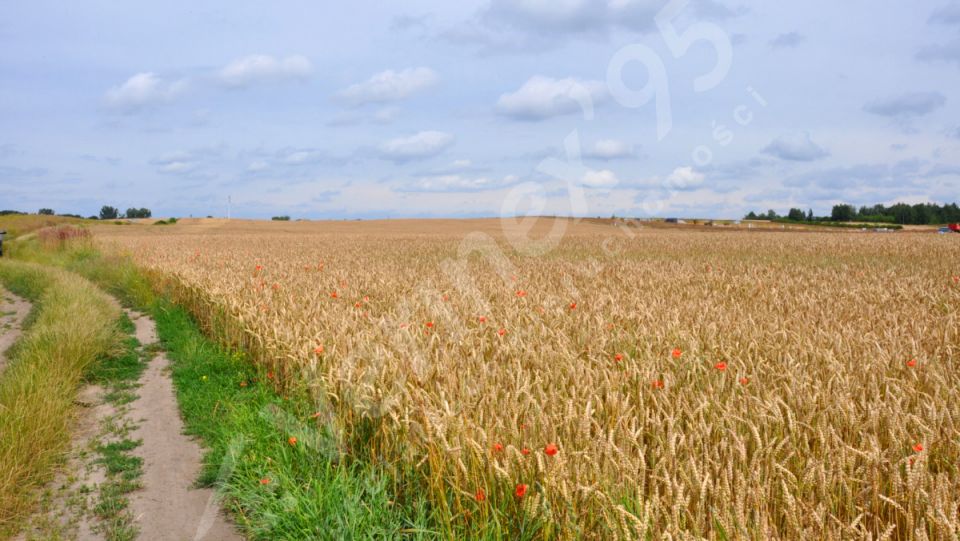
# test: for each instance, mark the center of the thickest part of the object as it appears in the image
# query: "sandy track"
(167, 508)
(13, 310)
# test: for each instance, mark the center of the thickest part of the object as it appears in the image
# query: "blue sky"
(477, 108)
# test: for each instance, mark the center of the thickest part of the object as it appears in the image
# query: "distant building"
(672, 221)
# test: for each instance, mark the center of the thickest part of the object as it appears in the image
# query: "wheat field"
(621, 382)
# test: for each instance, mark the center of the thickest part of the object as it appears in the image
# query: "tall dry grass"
(813, 393)
(75, 325)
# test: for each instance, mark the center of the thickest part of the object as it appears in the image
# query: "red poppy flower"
(446, 298)
(520, 491)
(618, 357)
(573, 306)
(676, 353)
(502, 332)
(721, 366)
(276, 286)
(911, 363)
(521, 293)
(318, 350)
(480, 495)
(524, 451)
(657, 384)
(497, 448)
(366, 298)
(744, 381)
(243, 383)
(333, 294)
(551, 449)
(316, 415)
(918, 447)
(269, 375)
(429, 324)
(265, 481)
(292, 441)
(356, 304)
(482, 319)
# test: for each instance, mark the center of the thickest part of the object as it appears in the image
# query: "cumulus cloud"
(458, 183)
(797, 147)
(909, 105)
(684, 178)
(419, 146)
(544, 97)
(604, 178)
(609, 149)
(143, 90)
(260, 68)
(389, 86)
(787, 41)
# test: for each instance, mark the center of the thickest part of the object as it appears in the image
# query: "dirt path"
(167, 508)
(13, 310)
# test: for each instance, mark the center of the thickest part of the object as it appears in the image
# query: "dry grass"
(75, 325)
(812, 430)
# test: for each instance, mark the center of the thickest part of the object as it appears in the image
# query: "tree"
(795, 215)
(772, 214)
(750, 216)
(109, 213)
(45, 212)
(843, 213)
(139, 213)
(809, 215)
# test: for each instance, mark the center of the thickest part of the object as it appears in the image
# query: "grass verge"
(73, 327)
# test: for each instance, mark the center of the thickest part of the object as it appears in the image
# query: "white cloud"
(797, 147)
(389, 85)
(684, 178)
(177, 168)
(609, 149)
(458, 183)
(263, 68)
(143, 90)
(421, 145)
(544, 97)
(258, 165)
(600, 179)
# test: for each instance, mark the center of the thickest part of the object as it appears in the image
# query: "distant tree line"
(106, 213)
(899, 213)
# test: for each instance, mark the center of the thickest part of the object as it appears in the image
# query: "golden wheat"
(792, 407)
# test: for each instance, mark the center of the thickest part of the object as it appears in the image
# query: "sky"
(692, 108)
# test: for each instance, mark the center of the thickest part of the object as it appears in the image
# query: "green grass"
(73, 326)
(308, 493)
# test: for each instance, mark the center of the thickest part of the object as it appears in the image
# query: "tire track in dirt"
(13, 310)
(167, 508)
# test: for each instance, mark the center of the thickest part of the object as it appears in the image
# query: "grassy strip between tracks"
(72, 326)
